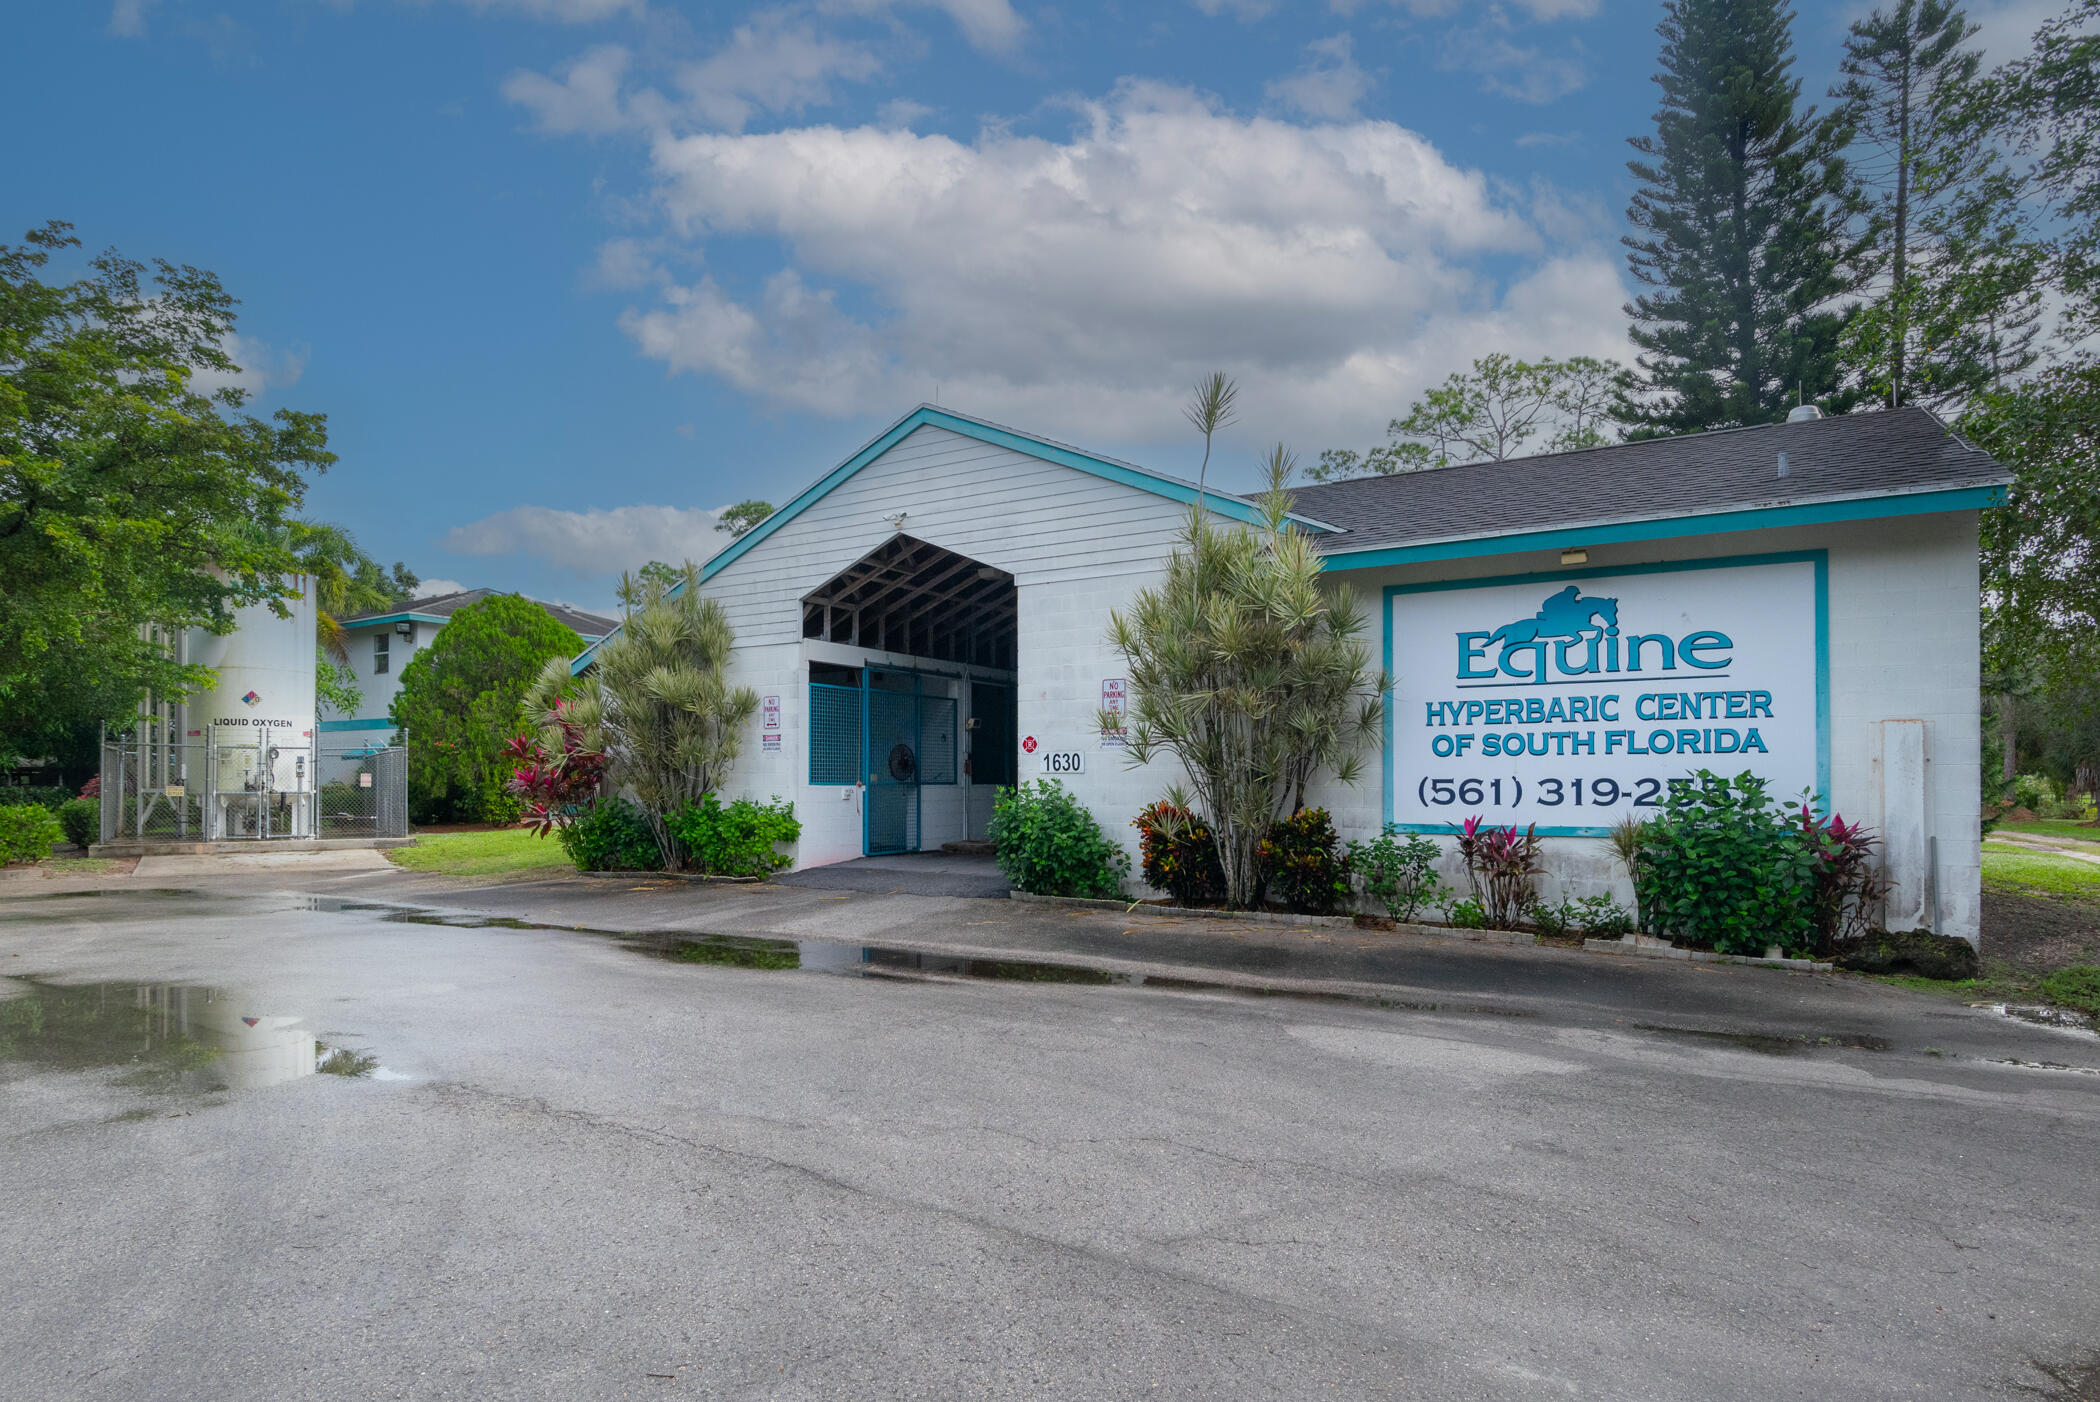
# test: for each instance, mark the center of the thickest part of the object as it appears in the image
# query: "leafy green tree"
(657, 702)
(1956, 296)
(128, 496)
(459, 704)
(737, 520)
(1495, 411)
(2049, 104)
(1742, 229)
(2041, 587)
(1252, 672)
(656, 572)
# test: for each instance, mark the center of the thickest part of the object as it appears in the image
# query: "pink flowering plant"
(1503, 865)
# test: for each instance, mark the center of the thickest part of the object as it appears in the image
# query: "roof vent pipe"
(1782, 464)
(1802, 413)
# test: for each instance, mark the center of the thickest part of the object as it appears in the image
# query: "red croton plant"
(554, 785)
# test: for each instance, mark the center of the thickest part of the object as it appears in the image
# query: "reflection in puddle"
(168, 1038)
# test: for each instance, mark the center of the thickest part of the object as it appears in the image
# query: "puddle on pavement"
(2041, 1015)
(907, 965)
(163, 1038)
(1770, 1044)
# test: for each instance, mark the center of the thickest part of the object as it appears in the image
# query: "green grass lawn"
(2020, 871)
(505, 852)
(2055, 827)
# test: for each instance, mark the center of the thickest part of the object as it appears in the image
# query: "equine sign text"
(1576, 636)
(1546, 701)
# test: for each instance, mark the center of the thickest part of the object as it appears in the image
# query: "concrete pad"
(206, 865)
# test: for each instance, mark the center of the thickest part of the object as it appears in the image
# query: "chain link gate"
(251, 790)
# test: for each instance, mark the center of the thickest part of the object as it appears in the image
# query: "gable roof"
(1145, 479)
(437, 608)
(1850, 467)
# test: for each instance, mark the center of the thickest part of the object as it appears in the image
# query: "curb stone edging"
(1270, 917)
(1702, 956)
(694, 876)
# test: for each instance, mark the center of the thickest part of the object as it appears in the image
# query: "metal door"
(890, 813)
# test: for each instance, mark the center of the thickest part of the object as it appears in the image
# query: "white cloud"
(127, 18)
(990, 25)
(431, 588)
(561, 11)
(1083, 284)
(1526, 72)
(260, 366)
(772, 64)
(1245, 11)
(901, 112)
(595, 542)
(1328, 85)
(586, 99)
(624, 264)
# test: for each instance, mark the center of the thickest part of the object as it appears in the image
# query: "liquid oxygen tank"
(260, 714)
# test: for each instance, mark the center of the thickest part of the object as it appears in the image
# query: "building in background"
(382, 642)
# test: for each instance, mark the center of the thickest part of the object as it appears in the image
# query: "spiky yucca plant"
(1248, 668)
(658, 704)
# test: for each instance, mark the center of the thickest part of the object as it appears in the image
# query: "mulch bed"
(2039, 934)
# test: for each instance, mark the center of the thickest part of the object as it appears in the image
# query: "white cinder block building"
(1567, 634)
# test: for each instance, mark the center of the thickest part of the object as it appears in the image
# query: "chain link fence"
(213, 791)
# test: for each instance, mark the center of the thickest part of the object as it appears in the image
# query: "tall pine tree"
(1956, 292)
(1745, 229)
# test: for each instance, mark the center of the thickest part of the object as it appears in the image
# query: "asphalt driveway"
(1312, 1165)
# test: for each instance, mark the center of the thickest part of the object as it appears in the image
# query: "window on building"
(380, 643)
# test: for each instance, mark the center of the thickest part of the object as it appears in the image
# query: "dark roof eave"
(1339, 551)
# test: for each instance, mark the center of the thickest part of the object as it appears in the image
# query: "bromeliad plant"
(1503, 866)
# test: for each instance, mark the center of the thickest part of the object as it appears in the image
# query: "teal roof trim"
(396, 618)
(380, 724)
(1715, 523)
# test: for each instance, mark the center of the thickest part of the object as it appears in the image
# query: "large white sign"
(1571, 702)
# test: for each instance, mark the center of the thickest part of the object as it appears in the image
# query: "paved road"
(578, 1171)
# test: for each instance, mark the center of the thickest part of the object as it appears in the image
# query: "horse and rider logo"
(1577, 635)
(1566, 615)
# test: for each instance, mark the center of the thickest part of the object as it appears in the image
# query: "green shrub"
(81, 821)
(28, 831)
(1178, 853)
(1401, 876)
(612, 835)
(2077, 987)
(1049, 845)
(1590, 917)
(1725, 868)
(51, 796)
(1303, 864)
(739, 840)
(1467, 914)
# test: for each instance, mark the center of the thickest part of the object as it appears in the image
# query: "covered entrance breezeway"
(911, 654)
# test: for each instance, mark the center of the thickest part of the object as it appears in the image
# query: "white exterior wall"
(1077, 546)
(1903, 646)
(379, 690)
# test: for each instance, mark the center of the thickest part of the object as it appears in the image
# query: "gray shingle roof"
(589, 625)
(1850, 456)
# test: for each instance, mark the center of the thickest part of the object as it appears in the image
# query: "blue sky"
(569, 275)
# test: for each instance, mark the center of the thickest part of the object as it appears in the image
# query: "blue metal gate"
(890, 814)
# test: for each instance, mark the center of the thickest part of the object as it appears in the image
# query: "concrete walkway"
(907, 874)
